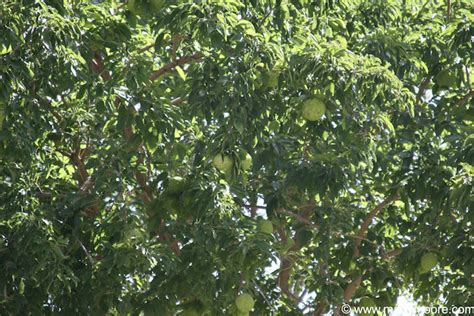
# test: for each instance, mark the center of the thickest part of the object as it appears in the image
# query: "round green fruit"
(245, 161)
(244, 302)
(272, 79)
(145, 7)
(176, 185)
(445, 79)
(367, 302)
(313, 109)
(265, 226)
(156, 5)
(223, 162)
(190, 312)
(428, 261)
(169, 203)
(136, 7)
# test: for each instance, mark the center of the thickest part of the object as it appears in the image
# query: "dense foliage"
(203, 157)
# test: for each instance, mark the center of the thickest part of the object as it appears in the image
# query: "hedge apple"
(156, 5)
(445, 78)
(244, 302)
(190, 312)
(428, 262)
(265, 226)
(367, 302)
(176, 185)
(245, 161)
(272, 79)
(145, 7)
(136, 7)
(313, 109)
(223, 162)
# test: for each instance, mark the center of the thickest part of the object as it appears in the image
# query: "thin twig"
(465, 98)
(178, 62)
(178, 100)
(91, 260)
(448, 10)
(264, 296)
(392, 253)
(365, 224)
(298, 217)
(421, 90)
(146, 48)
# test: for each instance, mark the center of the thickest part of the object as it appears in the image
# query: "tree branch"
(351, 288)
(365, 224)
(392, 253)
(178, 62)
(298, 217)
(98, 66)
(91, 260)
(146, 48)
(448, 10)
(465, 98)
(286, 263)
(421, 89)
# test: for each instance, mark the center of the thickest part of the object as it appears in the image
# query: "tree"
(113, 115)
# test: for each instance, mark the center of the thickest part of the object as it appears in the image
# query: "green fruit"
(245, 161)
(144, 7)
(169, 203)
(428, 261)
(244, 302)
(176, 185)
(190, 312)
(156, 5)
(223, 162)
(136, 7)
(367, 302)
(445, 79)
(265, 226)
(313, 109)
(272, 79)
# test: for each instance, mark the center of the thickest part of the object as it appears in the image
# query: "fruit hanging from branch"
(223, 162)
(368, 303)
(145, 8)
(428, 262)
(445, 79)
(190, 312)
(244, 302)
(245, 160)
(272, 76)
(272, 79)
(313, 109)
(265, 226)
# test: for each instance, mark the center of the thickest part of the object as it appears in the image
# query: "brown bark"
(178, 62)
(365, 224)
(351, 288)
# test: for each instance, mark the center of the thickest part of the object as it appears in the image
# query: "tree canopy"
(224, 157)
